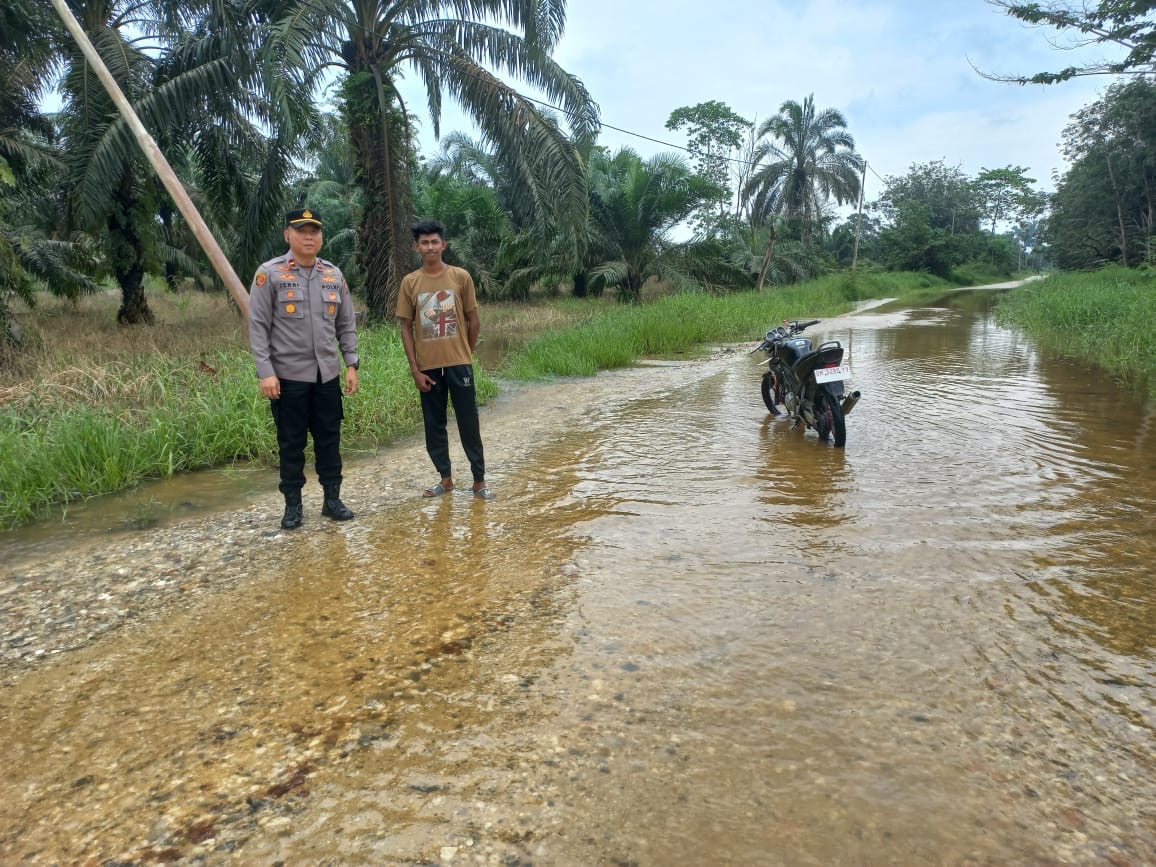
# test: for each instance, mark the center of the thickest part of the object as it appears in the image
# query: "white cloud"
(900, 71)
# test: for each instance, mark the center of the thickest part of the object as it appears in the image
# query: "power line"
(866, 165)
(567, 113)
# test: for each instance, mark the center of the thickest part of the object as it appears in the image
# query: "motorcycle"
(807, 382)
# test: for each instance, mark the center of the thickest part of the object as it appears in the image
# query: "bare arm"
(473, 328)
(423, 382)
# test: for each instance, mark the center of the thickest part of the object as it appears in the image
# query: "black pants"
(308, 408)
(452, 383)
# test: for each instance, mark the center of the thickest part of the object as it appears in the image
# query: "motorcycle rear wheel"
(829, 422)
(772, 392)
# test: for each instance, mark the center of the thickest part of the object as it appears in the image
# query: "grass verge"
(619, 336)
(1104, 318)
(93, 430)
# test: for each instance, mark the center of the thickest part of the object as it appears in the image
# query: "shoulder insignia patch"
(260, 281)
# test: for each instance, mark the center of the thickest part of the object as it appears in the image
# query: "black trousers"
(457, 384)
(308, 408)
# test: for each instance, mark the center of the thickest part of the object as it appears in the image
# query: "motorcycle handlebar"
(787, 329)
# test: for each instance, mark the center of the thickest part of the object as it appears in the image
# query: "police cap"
(303, 217)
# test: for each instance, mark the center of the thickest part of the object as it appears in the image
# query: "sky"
(900, 71)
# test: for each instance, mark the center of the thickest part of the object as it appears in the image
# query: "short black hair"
(428, 227)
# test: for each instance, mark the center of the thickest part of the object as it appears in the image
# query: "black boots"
(292, 518)
(333, 507)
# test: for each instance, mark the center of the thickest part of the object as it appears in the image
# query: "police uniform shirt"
(298, 317)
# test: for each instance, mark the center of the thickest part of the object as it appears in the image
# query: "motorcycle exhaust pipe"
(849, 402)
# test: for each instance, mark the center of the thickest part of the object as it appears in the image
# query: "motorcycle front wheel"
(829, 422)
(772, 392)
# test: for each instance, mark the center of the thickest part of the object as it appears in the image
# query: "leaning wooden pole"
(157, 160)
(767, 256)
(859, 218)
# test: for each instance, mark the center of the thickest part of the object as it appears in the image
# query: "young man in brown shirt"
(438, 312)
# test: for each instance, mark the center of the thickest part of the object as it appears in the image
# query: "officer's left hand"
(350, 380)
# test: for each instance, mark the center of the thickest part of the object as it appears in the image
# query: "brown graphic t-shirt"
(438, 307)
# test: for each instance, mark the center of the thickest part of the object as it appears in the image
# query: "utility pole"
(157, 160)
(859, 218)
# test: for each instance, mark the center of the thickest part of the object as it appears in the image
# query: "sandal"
(484, 494)
(436, 491)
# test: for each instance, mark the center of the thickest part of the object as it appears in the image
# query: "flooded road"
(684, 634)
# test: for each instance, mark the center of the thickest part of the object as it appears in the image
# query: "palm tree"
(26, 57)
(634, 205)
(191, 72)
(475, 221)
(471, 160)
(448, 45)
(247, 123)
(531, 241)
(802, 160)
(18, 116)
(519, 178)
(34, 254)
(331, 187)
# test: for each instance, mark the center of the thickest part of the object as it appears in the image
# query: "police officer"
(300, 312)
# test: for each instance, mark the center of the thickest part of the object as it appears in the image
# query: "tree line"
(228, 90)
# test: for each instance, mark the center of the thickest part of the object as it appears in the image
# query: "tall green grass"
(109, 428)
(622, 335)
(120, 424)
(1107, 318)
(870, 283)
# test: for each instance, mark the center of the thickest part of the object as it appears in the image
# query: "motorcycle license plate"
(832, 374)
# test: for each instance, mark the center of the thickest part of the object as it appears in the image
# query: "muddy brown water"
(684, 634)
